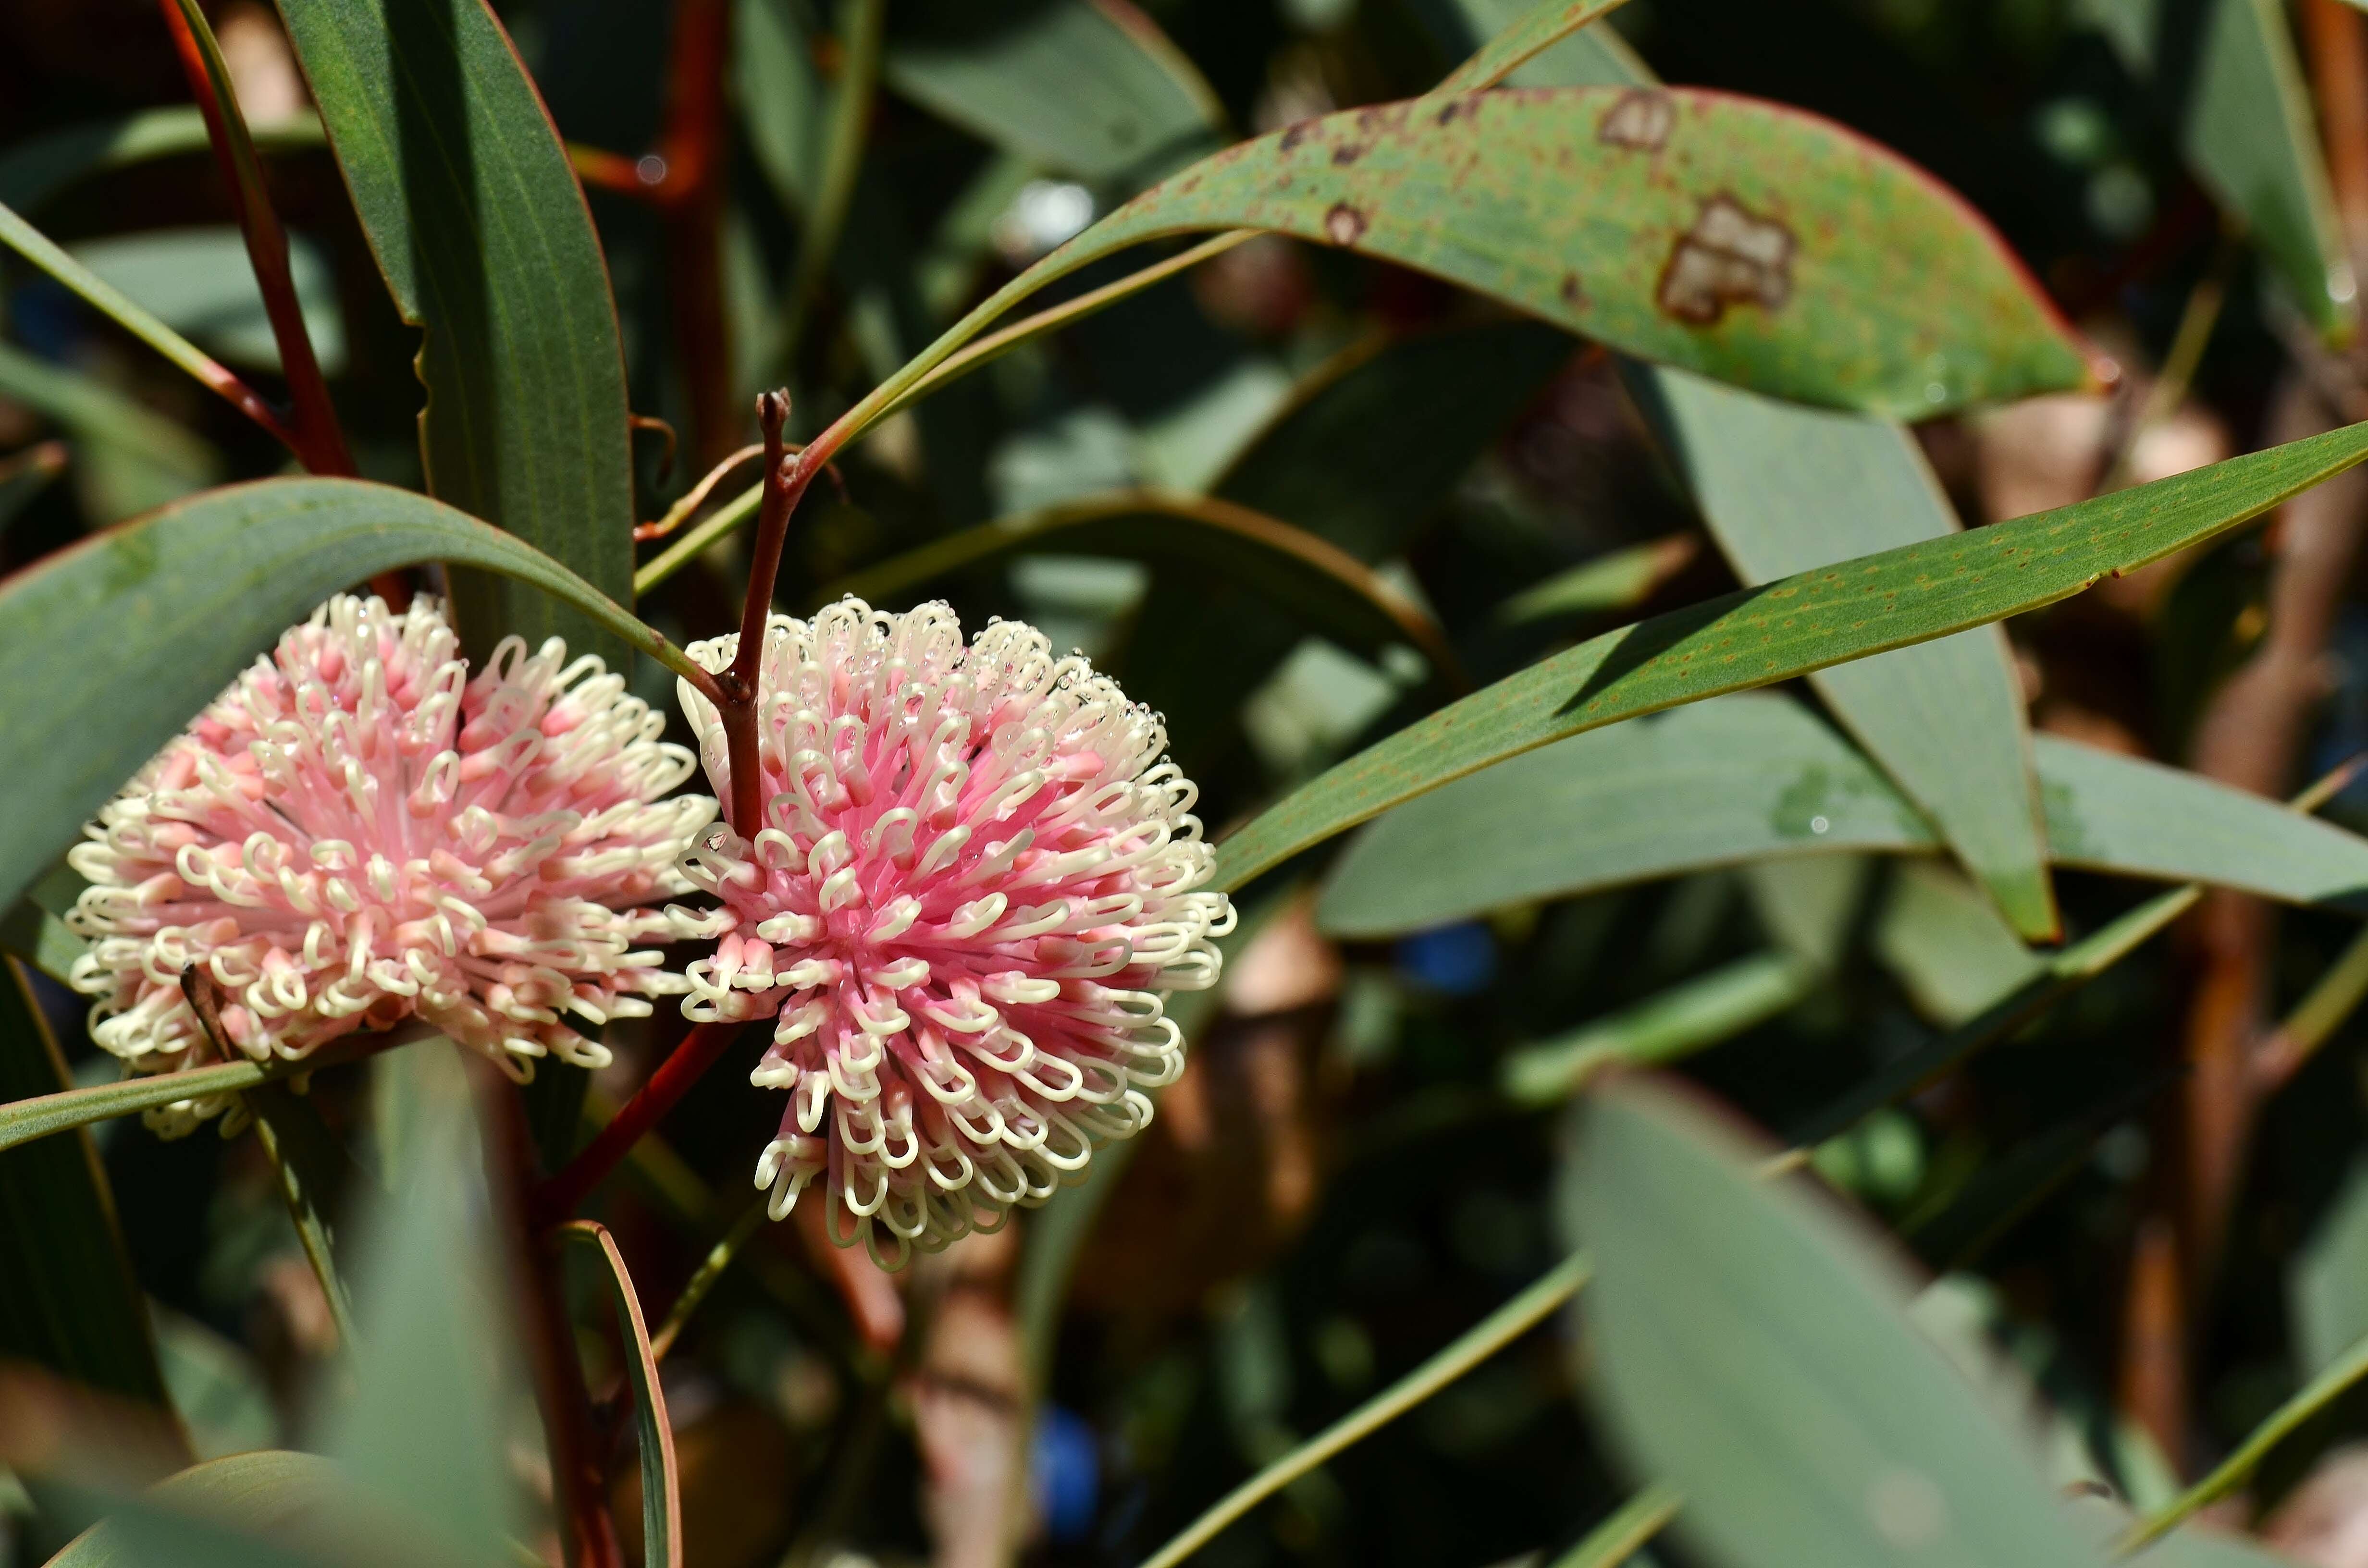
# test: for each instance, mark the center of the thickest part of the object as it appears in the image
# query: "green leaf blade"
(472, 211)
(1789, 627)
(1595, 208)
(71, 1303)
(185, 596)
(1754, 1353)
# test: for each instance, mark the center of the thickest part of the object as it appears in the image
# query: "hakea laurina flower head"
(356, 834)
(974, 882)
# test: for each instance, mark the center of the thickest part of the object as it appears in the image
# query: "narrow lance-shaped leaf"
(70, 1302)
(2224, 74)
(185, 596)
(1752, 1350)
(474, 216)
(1788, 628)
(1758, 779)
(1126, 97)
(654, 1433)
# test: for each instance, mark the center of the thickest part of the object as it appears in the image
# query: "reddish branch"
(319, 443)
(683, 179)
(579, 1482)
(556, 1199)
(787, 475)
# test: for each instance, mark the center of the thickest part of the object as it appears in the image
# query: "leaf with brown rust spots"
(1744, 240)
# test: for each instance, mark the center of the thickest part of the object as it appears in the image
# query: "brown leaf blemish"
(1348, 152)
(1344, 226)
(1295, 133)
(1643, 119)
(1572, 294)
(1731, 257)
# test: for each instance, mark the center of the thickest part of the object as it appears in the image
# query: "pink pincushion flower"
(354, 834)
(974, 886)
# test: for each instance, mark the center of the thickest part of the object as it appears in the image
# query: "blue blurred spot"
(1457, 959)
(1068, 1479)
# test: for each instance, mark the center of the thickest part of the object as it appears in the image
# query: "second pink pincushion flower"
(975, 881)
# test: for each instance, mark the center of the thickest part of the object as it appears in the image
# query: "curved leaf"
(34, 170)
(1330, 590)
(1789, 627)
(136, 319)
(71, 1304)
(473, 214)
(263, 1496)
(661, 1490)
(2224, 74)
(1749, 778)
(1753, 1351)
(1719, 783)
(146, 623)
(1534, 31)
(1752, 242)
(1088, 89)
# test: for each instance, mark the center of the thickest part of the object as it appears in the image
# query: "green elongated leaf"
(1607, 212)
(1534, 31)
(2224, 74)
(474, 216)
(1753, 1351)
(1789, 627)
(2113, 813)
(2326, 1282)
(1752, 777)
(188, 594)
(1470, 1348)
(171, 258)
(34, 170)
(1947, 946)
(1719, 783)
(423, 1429)
(71, 1303)
(661, 1488)
(309, 1161)
(21, 1122)
(1622, 1535)
(200, 281)
(1326, 588)
(1620, 579)
(1786, 489)
(143, 460)
(1080, 88)
(233, 1507)
(42, 939)
(1683, 1019)
(780, 96)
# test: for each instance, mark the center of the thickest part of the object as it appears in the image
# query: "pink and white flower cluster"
(975, 881)
(356, 833)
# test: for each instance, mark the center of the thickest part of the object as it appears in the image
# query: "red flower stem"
(319, 442)
(556, 1199)
(579, 1480)
(786, 478)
